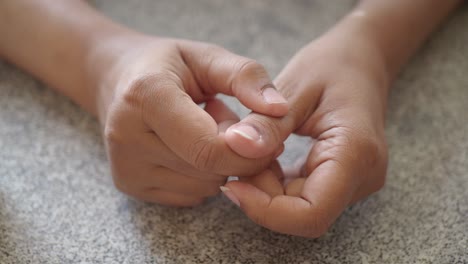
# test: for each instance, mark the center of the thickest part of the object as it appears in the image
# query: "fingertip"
(275, 104)
(268, 101)
(246, 141)
(267, 181)
(247, 194)
(219, 111)
(275, 110)
(273, 97)
(254, 88)
(283, 213)
(230, 195)
(295, 187)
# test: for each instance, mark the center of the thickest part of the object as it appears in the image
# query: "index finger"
(188, 130)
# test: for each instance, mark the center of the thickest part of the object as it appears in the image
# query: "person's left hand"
(338, 98)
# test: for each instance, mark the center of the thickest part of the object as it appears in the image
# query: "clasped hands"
(164, 148)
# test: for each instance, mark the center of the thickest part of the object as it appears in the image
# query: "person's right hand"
(162, 146)
(337, 88)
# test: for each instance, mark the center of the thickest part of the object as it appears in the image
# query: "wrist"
(103, 66)
(398, 28)
(361, 25)
(348, 55)
(358, 38)
(350, 48)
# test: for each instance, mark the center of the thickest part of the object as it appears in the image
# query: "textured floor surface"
(58, 204)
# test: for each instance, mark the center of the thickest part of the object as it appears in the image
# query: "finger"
(276, 168)
(325, 194)
(167, 198)
(267, 181)
(284, 214)
(259, 135)
(169, 180)
(222, 115)
(150, 149)
(217, 70)
(188, 130)
(372, 185)
(295, 171)
(294, 187)
(132, 161)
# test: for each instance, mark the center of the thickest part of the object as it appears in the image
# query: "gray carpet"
(58, 204)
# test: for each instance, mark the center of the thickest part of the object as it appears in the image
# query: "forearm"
(371, 43)
(398, 27)
(54, 40)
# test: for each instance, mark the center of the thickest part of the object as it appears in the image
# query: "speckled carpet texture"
(58, 203)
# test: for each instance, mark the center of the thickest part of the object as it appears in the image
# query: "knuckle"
(316, 225)
(210, 49)
(112, 135)
(147, 91)
(371, 147)
(209, 53)
(250, 67)
(365, 149)
(202, 155)
(360, 145)
(380, 182)
(137, 89)
(120, 185)
(374, 153)
(251, 169)
(246, 69)
(140, 87)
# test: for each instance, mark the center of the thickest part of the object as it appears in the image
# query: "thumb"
(189, 131)
(259, 135)
(217, 70)
(221, 114)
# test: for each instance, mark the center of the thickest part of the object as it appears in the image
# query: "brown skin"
(163, 148)
(337, 87)
(161, 145)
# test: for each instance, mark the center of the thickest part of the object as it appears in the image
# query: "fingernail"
(272, 96)
(247, 132)
(230, 195)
